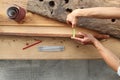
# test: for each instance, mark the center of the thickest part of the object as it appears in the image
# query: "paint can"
(16, 13)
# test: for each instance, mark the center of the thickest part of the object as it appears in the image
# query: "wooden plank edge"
(35, 34)
(41, 31)
(86, 58)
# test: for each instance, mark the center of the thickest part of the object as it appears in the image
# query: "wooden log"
(58, 10)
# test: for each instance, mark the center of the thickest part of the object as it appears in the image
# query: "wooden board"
(11, 49)
(34, 25)
(42, 31)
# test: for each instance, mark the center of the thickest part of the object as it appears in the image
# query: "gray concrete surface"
(56, 70)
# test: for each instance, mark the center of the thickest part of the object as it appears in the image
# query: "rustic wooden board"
(34, 25)
(42, 31)
(58, 10)
(11, 49)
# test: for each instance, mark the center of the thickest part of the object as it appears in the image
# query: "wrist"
(77, 13)
(95, 41)
(85, 12)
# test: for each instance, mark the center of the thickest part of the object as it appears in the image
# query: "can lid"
(16, 13)
(12, 12)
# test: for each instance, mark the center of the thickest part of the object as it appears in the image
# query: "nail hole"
(13, 40)
(77, 46)
(69, 10)
(81, 7)
(27, 43)
(52, 3)
(113, 20)
(66, 1)
(61, 41)
(52, 12)
(40, 0)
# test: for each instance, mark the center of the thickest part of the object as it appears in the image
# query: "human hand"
(88, 38)
(72, 18)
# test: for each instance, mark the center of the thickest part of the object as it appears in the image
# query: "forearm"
(99, 12)
(111, 59)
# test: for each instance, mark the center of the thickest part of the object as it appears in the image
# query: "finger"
(78, 39)
(106, 36)
(73, 26)
(68, 22)
(81, 34)
(102, 36)
(74, 23)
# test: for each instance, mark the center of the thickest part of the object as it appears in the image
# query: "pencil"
(32, 45)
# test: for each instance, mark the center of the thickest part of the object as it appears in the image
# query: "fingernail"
(107, 36)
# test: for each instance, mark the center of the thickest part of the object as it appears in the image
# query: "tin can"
(16, 13)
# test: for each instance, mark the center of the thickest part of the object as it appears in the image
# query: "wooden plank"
(42, 31)
(11, 49)
(34, 25)
(32, 20)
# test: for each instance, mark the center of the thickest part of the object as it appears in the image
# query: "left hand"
(88, 38)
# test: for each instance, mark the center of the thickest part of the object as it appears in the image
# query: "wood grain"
(34, 25)
(61, 31)
(12, 49)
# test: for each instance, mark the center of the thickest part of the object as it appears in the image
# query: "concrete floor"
(56, 70)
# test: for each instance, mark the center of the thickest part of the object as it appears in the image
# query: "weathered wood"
(11, 48)
(58, 9)
(35, 25)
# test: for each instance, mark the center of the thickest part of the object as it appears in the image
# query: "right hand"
(72, 18)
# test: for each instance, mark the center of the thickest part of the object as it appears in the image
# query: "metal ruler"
(51, 48)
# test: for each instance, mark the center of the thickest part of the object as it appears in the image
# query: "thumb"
(78, 39)
(73, 25)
